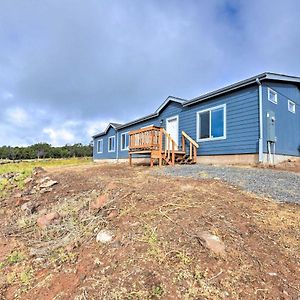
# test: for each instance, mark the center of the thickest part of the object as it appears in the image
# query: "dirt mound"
(125, 234)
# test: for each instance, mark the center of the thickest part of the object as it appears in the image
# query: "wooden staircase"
(156, 142)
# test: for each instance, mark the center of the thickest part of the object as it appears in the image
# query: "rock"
(43, 190)
(38, 170)
(48, 219)
(98, 203)
(48, 184)
(113, 214)
(29, 207)
(111, 186)
(104, 236)
(18, 195)
(213, 243)
(38, 251)
(27, 180)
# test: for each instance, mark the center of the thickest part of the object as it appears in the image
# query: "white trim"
(224, 124)
(169, 99)
(276, 96)
(114, 137)
(150, 125)
(98, 141)
(177, 119)
(290, 102)
(124, 133)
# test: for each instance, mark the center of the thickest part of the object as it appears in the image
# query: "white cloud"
(59, 136)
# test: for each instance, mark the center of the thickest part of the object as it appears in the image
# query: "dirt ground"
(156, 251)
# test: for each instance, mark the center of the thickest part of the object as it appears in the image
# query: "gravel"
(282, 186)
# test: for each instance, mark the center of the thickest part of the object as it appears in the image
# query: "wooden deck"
(156, 143)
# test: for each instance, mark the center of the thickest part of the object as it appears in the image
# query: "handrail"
(192, 147)
(144, 129)
(190, 139)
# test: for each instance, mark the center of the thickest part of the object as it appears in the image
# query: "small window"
(272, 96)
(100, 146)
(111, 144)
(211, 123)
(124, 141)
(292, 106)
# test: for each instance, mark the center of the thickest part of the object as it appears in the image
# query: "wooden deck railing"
(158, 143)
(147, 138)
(192, 146)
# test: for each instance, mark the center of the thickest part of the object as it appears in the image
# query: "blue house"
(253, 120)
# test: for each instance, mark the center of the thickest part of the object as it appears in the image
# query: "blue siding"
(105, 154)
(287, 124)
(172, 109)
(242, 130)
(242, 123)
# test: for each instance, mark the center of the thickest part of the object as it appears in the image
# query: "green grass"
(25, 169)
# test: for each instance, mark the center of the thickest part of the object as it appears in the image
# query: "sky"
(68, 67)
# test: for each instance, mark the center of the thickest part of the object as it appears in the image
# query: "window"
(124, 141)
(272, 96)
(211, 123)
(100, 146)
(291, 106)
(111, 144)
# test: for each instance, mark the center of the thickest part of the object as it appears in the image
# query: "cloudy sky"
(67, 67)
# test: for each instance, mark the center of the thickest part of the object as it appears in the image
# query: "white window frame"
(276, 96)
(290, 102)
(111, 137)
(124, 134)
(224, 124)
(99, 141)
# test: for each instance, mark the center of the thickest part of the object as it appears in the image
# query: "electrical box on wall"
(271, 127)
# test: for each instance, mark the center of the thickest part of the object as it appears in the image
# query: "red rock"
(99, 202)
(113, 214)
(111, 186)
(48, 219)
(213, 243)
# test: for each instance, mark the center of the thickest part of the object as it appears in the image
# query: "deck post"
(173, 153)
(160, 146)
(130, 160)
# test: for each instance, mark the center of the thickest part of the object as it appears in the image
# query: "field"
(117, 232)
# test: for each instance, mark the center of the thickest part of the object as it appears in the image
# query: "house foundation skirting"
(230, 159)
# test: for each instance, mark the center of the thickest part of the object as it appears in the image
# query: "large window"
(100, 146)
(111, 144)
(124, 141)
(211, 123)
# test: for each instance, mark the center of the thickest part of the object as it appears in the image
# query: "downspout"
(260, 140)
(117, 153)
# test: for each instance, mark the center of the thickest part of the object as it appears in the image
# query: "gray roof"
(147, 117)
(240, 84)
(226, 89)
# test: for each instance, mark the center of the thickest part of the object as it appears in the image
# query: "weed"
(157, 291)
(11, 277)
(15, 257)
(26, 276)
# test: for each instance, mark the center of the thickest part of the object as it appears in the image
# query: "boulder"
(48, 184)
(213, 243)
(29, 207)
(98, 203)
(45, 220)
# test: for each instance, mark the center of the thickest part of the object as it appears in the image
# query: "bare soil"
(155, 252)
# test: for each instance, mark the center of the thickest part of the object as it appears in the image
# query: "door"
(172, 128)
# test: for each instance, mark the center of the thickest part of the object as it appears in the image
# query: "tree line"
(44, 150)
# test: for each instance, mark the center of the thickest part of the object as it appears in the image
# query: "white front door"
(172, 129)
